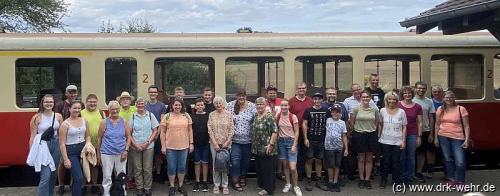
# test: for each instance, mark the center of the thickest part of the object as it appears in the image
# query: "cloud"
(263, 15)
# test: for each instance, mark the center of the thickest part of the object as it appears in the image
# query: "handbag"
(470, 142)
(49, 132)
(221, 160)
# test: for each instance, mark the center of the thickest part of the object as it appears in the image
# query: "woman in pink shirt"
(453, 133)
(176, 140)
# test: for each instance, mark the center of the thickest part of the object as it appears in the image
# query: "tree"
(133, 25)
(32, 15)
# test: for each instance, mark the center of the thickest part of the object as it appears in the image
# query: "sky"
(260, 15)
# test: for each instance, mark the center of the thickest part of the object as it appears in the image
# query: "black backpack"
(117, 186)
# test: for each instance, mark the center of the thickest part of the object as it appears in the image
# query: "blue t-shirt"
(334, 131)
(157, 109)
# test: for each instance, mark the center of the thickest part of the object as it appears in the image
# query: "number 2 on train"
(145, 80)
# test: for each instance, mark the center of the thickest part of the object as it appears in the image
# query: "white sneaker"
(297, 191)
(287, 188)
(262, 192)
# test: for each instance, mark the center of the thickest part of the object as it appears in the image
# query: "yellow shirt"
(127, 114)
(94, 119)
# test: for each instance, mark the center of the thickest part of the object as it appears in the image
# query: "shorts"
(364, 142)
(426, 146)
(285, 149)
(333, 158)
(316, 150)
(201, 153)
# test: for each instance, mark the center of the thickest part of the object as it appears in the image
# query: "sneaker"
(297, 191)
(196, 187)
(336, 187)
(361, 184)
(321, 186)
(368, 185)
(383, 184)
(182, 191)
(262, 192)
(420, 177)
(204, 186)
(148, 192)
(60, 190)
(225, 190)
(330, 186)
(309, 185)
(216, 190)
(171, 191)
(286, 188)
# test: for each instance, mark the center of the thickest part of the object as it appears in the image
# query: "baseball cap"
(318, 95)
(336, 107)
(71, 88)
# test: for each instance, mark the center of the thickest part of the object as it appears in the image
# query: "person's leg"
(120, 166)
(395, 157)
(135, 161)
(74, 152)
(44, 184)
(94, 174)
(446, 148)
(236, 159)
(308, 167)
(107, 170)
(361, 165)
(269, 179)
(246, 154)
(216, 176)
(459, 157)
(318, 166)
(368, 165)
(386, 163)
(205, 152)
(181, 165)
(319, 154)
(285, 170)
(172, 166)
(259, 171)
(430, 156)
(197, 162)
(420, 161)
(147, 166)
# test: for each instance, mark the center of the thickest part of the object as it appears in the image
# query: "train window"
(394, 71)
(254, 74)
(193, 74)
(36, 77)
(121, 75)
(461, 73)
(320, 72)
(496, 75)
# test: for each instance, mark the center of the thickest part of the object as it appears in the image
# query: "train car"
(106, 64)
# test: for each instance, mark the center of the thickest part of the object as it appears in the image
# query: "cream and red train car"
(105, 64)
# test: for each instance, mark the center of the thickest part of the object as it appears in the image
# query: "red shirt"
(298, 107)
(273, 106)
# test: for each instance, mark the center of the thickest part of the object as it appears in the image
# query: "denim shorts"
(176, 161)
(201, 153)
(285, 149)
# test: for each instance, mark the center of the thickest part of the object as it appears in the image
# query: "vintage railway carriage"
(105, 64)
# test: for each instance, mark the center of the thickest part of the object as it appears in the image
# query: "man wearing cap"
(126, 112)
(314, 130)
(298, 104)
(272, 101)
(331, 99)
(63, 109)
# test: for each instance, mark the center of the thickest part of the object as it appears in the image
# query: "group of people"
(398, 132)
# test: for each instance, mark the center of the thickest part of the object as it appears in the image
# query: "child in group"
(335, 141)
(201, 145)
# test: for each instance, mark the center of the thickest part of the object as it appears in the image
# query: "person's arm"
(272, 140)
(346, 145)
(230, 131)
(87, 132)
(430, 139)
(33, 126)
(420, 127)
(437, 125)
(466, 130)
(127, 144)
(63, 134)
(296, 135)
(211, 133)
(304, 132)
(133, 143)
(190, 134)
(163, 133)
(403, 139)
(100, 134)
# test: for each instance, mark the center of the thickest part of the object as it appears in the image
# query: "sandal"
(243, 181)
(216, 190)
(237, 187)
(225, 191)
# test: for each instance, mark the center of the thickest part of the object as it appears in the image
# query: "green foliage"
(133, 25)
(32, 15)
(30, 80)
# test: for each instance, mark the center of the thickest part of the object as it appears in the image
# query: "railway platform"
(487, 181)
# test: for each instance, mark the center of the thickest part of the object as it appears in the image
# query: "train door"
(321, 72)
(121, 75)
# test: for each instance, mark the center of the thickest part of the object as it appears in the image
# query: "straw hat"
(124, 94)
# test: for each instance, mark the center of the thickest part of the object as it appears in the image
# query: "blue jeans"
(74, 151)
(176, 161)
(391, 160)
(285, 149)
(454, 158)
(240, 159)
(47, 177)
(201, 153)
(408, 159)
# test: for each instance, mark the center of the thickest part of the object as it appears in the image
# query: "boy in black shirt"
(314, 138)
(201, 145)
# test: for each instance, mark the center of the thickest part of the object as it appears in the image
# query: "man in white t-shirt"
(426, 151)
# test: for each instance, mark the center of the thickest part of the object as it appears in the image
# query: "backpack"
(290, 118)
(117, 185)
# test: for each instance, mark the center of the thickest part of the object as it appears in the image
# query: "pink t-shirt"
(285, 127)
(450, 122)
(411, 117)
(179, 135)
